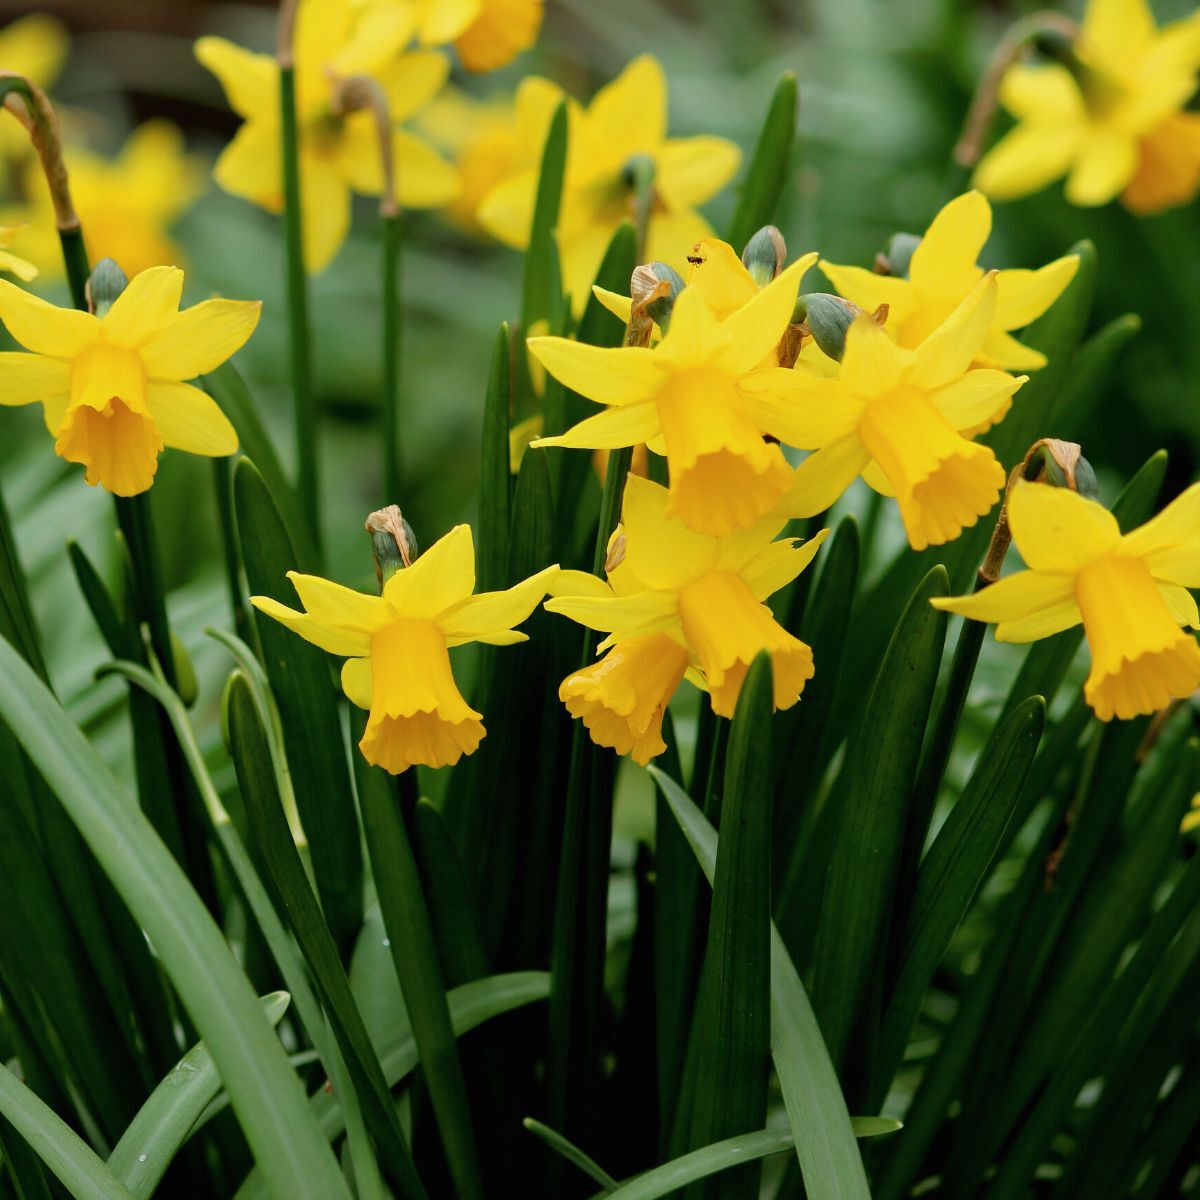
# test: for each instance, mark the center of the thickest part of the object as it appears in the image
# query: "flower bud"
(106, 282)
(826, 318)
(1061, 464)
(764, 255)
(653, 288)
(896, 258)
(393, 543)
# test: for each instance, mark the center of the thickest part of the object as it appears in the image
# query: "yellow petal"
(251, 167)
(331, 638)
(25, 271)
(693, 170)
(1115, 31)
(945, 263)
(200, 338)
(356, 681)
(147, 304)
(251, 81)
(629, 115)
(1046, 92)
(481, 617)
(872, 364)
(1027, 158)
(877, 481)
(577, 583)
(43, 328)
(618, 375)
(869, 290)
(976, 397)
(333, 604)
(1022, 296)
(506, 212)
(720, 276)
(623, 616)
(627, 425)
(1181, 604)
(619, 306)
(824, 475)
(1026, 605)
(755, 328)
(1001, 349)
(439, 578)
(413, 81)
(799, 410)
(696, 337)
(501, 31)
(444, 21)
(1107, 161)
(1168, 164)
(32, 378)
(1170, 542)
(190, 420)
(424, 179)
(326, 213)
(1056, 529)
(780, 563)
(955, 344)
(662, 552)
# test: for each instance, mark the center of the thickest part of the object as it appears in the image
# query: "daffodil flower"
(625, 122)
(396, 647)
(679, 602)
(1114, 126)
(339, 153)
(112, 388)
(126, 204)
(1129, 590)
(897, 417)
(943, 270)
(702, 397)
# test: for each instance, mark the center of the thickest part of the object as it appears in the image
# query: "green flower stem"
(136, 521)
(393, 239)
(303, 398)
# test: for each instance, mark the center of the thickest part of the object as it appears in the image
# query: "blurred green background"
(884, 85)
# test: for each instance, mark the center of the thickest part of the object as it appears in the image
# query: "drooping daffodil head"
(704, 397)
(1112, 119)
(678, 602)
(113, 388)
(941, 273)
(1130, 591)
(397, 644)
(617, 140)
(335, 41)
(899, 417)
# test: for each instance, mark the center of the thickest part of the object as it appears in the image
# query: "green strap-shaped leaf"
(165, 1121)
(269, 828)
(226, 386)
(312, 729)
(1093, 366)
(265, 1092)
(731, 1028)
(820, 1123)
(769, 167)
(882, 761)
(71, 1160)
(953, 870)
(541, 294)
(572, 1154)
(495, 478)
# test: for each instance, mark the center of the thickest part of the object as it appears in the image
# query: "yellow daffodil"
(339, 152)
(396, 647)
(480, 136)
(676, 598)
(9, 261)
(126, 205)
(625, 122)
(111, 387)
(488, 34)
(943, 270)
(704, 397)
(896, 416)
(35, 46)
(1129, 590)
(1114, 125)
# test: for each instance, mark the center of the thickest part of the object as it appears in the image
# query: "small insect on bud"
(764, 255)
(393, 543)
(106, 282)
(826, 318)
(896, 258)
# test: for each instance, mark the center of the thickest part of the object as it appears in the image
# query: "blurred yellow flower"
(339, 153)
(10, 262)
(111, 387)
(626, 121)
(897, 417)
(35, 46)
(943, 270)
(1113, 122)
(488, 34)
(704, 397)
(395, 645)
(126, 205)
(481, 138)
(676, 597)
(1130, 591)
